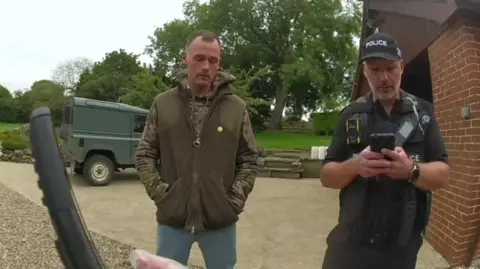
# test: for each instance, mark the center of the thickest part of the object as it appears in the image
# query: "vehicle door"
(138, 124)
(66, 129)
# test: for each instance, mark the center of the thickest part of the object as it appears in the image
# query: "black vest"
(380, 211)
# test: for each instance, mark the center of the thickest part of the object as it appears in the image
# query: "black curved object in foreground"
(74, 244)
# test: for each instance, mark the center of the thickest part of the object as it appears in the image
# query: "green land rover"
(99, 137)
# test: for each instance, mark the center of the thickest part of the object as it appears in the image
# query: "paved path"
(285, 224)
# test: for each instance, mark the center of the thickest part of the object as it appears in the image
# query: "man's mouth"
(203, 76)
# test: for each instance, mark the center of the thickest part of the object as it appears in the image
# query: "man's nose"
(205, 65)
(383, 75)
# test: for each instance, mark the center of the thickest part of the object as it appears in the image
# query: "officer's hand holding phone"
(400, 164)
(372, 163)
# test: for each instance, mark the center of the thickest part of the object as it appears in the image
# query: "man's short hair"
(206, 36)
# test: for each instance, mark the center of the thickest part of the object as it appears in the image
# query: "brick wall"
(455, 70)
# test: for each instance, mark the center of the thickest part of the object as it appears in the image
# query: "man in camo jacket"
(198, 158)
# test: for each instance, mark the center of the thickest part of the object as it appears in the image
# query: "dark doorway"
(416, 77)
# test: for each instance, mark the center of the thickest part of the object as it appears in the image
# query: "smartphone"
(381, 141)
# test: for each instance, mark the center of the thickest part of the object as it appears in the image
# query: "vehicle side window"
(139, 123)
(67, 116)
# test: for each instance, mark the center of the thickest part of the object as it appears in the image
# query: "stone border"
(16, 156)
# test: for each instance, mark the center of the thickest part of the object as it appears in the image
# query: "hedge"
(13, 140)
(15, 144)
(325, 123)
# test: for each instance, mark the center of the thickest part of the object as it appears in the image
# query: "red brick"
(455, 71)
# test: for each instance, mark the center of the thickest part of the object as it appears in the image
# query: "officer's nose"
(383, 76)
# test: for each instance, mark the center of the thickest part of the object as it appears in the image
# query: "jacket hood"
(221, 83)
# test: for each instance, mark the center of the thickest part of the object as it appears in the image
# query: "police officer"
(384, 195)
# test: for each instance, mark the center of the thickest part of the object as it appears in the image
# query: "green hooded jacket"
(197, 157)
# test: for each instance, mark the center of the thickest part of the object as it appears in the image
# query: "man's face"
(203, 61)
(384, 77)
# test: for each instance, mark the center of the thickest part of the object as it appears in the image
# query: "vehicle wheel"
(98, 170)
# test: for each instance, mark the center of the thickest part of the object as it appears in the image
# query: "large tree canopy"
(107, 80)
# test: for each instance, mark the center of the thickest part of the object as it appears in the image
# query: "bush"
(5, 135)
(14, 132)
(325, 123)
(15, 144)
(260, 116)
(13, 140)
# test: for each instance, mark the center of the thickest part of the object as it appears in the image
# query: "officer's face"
(384, 77)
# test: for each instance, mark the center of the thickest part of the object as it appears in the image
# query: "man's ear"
(184, 56)
(364, 70)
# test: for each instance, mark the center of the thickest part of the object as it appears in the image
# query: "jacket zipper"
(197, 144)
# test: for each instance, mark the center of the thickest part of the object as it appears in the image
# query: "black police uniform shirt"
(434, 147)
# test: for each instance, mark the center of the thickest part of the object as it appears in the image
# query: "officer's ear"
(363, 69)
(401, 66)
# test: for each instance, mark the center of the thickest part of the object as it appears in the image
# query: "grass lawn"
(9, 126)
(284, 140)
(265, 140)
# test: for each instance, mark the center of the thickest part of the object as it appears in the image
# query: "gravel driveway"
(285, 224)
(27, 237)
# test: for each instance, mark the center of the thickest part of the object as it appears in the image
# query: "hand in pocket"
(162, 189)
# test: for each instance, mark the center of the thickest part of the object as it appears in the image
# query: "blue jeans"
(219, 247)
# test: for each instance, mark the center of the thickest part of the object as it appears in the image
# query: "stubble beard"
(382, 96)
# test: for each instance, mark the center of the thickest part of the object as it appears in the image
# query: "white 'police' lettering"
(415, 157)
(376, 43)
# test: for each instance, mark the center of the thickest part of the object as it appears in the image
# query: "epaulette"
(408, 103)
(362, 99)
(341, 111)
(359, 106)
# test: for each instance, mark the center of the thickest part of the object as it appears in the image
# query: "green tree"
(108, 79)
(7, 106)
(167, 44)
(23, 105)
(50, 94)
(5, 94)
(245, 84)
(42, 93)
(143, 89)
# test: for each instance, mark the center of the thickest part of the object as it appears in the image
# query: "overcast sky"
(36, 35)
